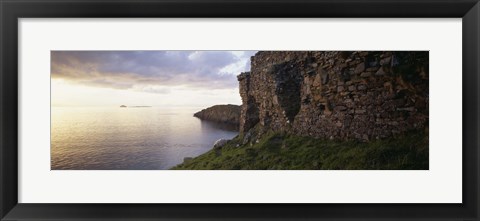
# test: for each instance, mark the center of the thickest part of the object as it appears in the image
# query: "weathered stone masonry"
(337, 94)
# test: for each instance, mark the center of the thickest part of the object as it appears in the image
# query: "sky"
(147, 78)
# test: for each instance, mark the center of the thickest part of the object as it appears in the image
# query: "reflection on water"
(129, 138)
(217, 125)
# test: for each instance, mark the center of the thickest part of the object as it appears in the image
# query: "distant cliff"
(228, 114)
(336, 94)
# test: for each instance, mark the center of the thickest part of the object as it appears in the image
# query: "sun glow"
(68, 93)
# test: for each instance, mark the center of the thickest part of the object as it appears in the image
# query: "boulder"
(220, 143)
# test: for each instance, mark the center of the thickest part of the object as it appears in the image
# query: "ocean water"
(114, 138)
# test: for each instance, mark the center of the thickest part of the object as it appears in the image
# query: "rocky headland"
(224, 114)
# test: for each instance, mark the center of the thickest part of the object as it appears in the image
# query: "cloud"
(151, 71)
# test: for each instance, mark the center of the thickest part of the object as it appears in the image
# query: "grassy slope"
(275, 151)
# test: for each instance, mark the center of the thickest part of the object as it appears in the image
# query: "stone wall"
(336, 94)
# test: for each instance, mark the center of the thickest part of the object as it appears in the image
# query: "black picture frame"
(12, 10)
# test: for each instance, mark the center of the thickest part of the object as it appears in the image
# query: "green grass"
(287, 152)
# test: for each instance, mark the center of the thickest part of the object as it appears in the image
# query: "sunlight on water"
(104, 138)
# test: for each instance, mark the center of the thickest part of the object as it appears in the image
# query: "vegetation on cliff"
(227, 114)
(276, 151)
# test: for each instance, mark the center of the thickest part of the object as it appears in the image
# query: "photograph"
(239, 110)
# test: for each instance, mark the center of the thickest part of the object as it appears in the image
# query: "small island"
(134, 106)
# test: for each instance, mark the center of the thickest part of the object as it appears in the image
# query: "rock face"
(227, 114)
(336, 94)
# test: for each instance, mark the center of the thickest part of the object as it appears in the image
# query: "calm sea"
(114, 138)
